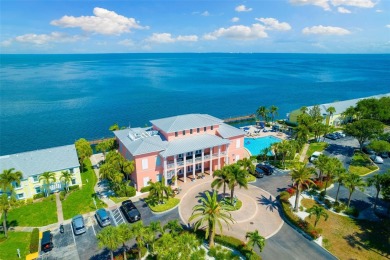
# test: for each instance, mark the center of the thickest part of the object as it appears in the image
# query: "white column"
(202, 160)
(175, 162)
(165, 171)
(211, 161)
(219, 157)
(193, 164)
(227, 154)
(185, 166)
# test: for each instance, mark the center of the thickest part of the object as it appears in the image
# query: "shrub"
(301, 208)
(291, 191)
(319, 185)
(352, 211)
(338, 207)
(145, 189)
(328, 203)
(62, 195)
(34, 242)
(127, 191)
(321, 197)
(29, 201)
(38, 196)
(284, 196)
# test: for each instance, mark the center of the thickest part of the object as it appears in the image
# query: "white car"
(314, 156)
(376, 159)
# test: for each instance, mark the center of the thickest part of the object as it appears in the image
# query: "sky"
(134, 26)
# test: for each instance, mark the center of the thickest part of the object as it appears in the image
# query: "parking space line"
(93, 228)
(74, 239)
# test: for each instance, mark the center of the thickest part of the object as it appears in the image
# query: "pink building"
(180, 146)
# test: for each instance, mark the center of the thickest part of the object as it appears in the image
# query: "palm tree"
(285, 148)
(124, 234)
(262, 112)
(376, 180)
(333, 165)
(157, 191)
(109, 238)
(8, 177)
(273, 111)
(264, 153)
(5, 206)
(210, 212)
(237, 177)
(139, 232)
(302, 134)
(154, 228)
(247, 164)
(67, 177)
(255, 239)
(351, 182)
(47, 178)
(221, 178)
(304, 110)
(339, 178)
(318, 212)
(321, 164)
(331, 111)
(301, 177)
(174, 227)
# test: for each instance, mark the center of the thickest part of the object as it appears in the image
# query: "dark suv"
(46, 241)
(259, 172)
(130, 211)
(268, 170)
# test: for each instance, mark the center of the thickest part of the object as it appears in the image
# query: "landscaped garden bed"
(167, 205)
(361, 164)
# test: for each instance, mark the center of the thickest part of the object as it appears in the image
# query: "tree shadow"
(270, 204)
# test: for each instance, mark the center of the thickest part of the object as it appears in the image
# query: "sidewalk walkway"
(60, 215)
(304, 151)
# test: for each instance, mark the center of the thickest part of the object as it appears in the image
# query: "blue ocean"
(52, 100)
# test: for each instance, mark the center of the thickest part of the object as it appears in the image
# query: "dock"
(93, 142)
(240, 118)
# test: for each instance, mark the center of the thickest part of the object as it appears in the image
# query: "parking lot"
(85, 246)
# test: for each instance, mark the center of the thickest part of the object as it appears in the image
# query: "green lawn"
(80, 201)
(315, 147)
(119, 199)
(170, 203)
(15, 240)
(34, 215)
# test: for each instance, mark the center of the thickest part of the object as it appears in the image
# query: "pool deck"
(251, 133)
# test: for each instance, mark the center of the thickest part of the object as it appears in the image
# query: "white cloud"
(238, 32)
(103, 22)
(205, 13)
(321, 3)
(379, 11)
(167, 38)
(126, 42)
(235, 19)
(40, 39)
(243, 8)
(325, 30)
(356, 3)
(388, 26)
(273, 24)
(343, 10)
(6, 43)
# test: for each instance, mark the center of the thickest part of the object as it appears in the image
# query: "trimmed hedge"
(38, 196)
(34, 242)
(75, 187)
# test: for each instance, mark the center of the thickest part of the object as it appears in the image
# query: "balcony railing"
(171, 164)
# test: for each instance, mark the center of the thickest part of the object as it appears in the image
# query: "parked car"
(368, 150)
(102, 217)
(339, 134)
(267, 169)
(78, 225)
(384, 154)
(259, 172)
(376, 159)
(46, 241)
(130, 211)
(314, 156)
(332, 136)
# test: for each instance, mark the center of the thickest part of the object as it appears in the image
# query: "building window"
(180, 156)
(158, 160)
(189, 154)
(20, 196)
(176, 134)
(71, 170)
(189, 168)
(36, 178)
(16, 185)
(204, 129)
(198, 166)
(190, 131)
(37, 189)
(238, 143)
(198, 152)
(158, 177)
(197, 130)
(212, 127)
(144, 164)
(184, 132)
(73, 181)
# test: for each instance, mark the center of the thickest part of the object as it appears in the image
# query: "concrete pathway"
(304, 151)
(60, 215)
(259, 210)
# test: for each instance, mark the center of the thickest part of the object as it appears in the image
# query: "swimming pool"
(255, 145)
